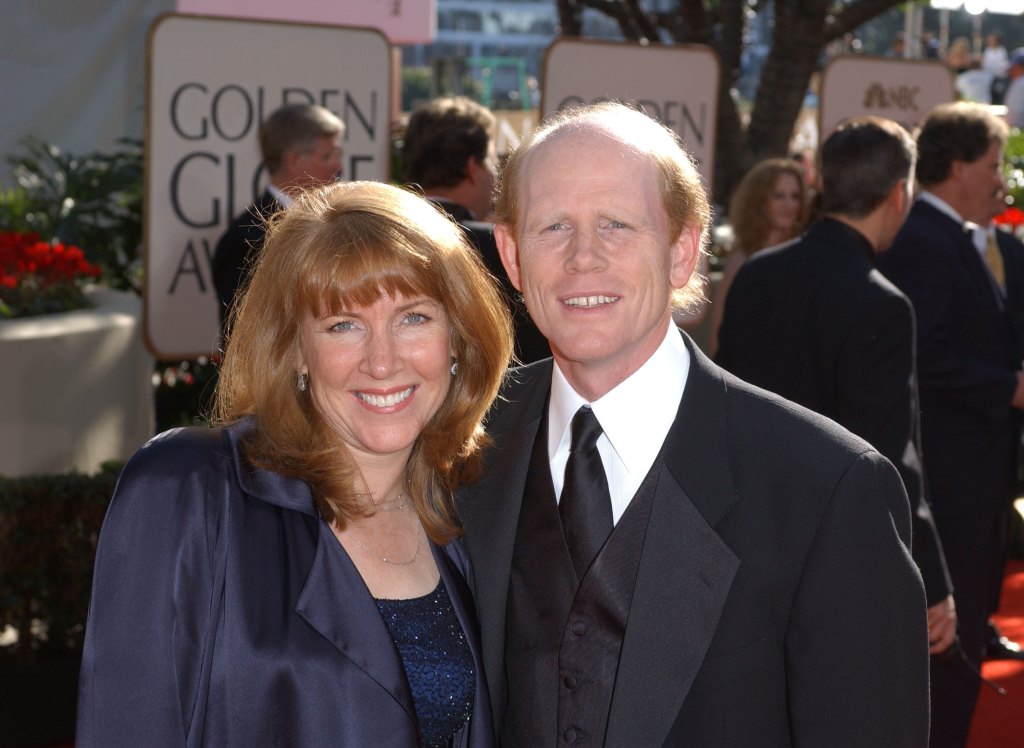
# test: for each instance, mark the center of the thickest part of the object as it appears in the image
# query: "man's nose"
(585, 251)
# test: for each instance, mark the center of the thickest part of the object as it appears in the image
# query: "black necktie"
(586, 505)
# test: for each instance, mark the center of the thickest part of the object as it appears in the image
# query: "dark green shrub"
(49, 525)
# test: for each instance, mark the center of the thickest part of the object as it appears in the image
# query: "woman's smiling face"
(378, 373)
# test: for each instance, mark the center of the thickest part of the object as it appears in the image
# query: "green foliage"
(49, 525)
(15, 205)
(417, 87)
(183, 392)
(1015, 167)
(92, 201)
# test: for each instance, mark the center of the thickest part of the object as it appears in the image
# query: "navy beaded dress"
(438, 662)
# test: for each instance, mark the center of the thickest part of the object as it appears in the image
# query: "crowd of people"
(989, 75)
(391, 538)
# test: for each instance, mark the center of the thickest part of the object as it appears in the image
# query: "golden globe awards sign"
(676, 85)
(900, 90)
(211, 83)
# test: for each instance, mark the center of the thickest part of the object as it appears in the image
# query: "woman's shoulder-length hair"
(748, 212)
(344, 245)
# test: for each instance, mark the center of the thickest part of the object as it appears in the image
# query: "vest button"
(570, 735)
(569, 681)
(579, 628)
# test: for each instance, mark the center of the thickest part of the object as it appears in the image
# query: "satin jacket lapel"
(491, 522)
(686, 569)
(336, 602)
(334, 599)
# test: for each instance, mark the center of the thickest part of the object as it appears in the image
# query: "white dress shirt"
(283, 198)
(636, 417)
(1014, 101)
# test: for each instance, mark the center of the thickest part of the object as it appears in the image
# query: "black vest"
(563, 637)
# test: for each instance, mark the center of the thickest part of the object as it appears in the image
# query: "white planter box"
(75, 387)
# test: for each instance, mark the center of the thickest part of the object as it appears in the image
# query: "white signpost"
(901, 90)
(211, 82)
(676, 85)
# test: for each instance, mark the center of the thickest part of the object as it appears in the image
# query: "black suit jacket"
(531, 345)
(237, 250)
(775, 603)
(815, 322)
(968, 355)
(1012, 251)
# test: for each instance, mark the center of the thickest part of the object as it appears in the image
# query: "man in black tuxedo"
(301, 148)
(448, 151)
(815, 322)
(971, 386)
(664, 554)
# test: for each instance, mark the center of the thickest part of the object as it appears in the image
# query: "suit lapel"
(1013, 262)
(686, 570)
(336, 602)
(969, 255)
(490, 510)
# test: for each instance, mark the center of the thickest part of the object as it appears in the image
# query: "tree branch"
(693, 24)
(730, 45)
(569, 17)
(645, 23)
(854, 15)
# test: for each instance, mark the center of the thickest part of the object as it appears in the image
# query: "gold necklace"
(396, 504)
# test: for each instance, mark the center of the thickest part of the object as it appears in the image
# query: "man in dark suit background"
(301, 148)
(663, 554)
(815, 322)
(1004, 253)
(971, 386)
(449, 152)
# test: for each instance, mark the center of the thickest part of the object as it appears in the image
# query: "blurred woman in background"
(770, 206)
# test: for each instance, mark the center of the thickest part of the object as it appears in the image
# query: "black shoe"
(1001, 648)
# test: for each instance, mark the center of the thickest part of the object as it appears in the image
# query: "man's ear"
(956, 168)
(471, 166)
(685, 256)
(898, 196)
(508, 250)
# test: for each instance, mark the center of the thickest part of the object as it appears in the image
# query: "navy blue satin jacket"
(225, 612)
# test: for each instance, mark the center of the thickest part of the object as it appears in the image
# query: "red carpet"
(999, 720)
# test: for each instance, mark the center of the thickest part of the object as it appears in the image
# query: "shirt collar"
(653, 391)
(940, 205)
(840, 232)
(282, 197)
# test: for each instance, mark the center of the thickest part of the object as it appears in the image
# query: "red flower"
(38, 277)
(1012, 217)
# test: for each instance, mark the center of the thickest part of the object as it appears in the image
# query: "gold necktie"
(994, 259)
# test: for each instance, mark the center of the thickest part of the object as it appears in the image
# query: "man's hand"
(941, 626)
(1018, 393)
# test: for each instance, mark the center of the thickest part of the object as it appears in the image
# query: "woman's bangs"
(361, 272)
